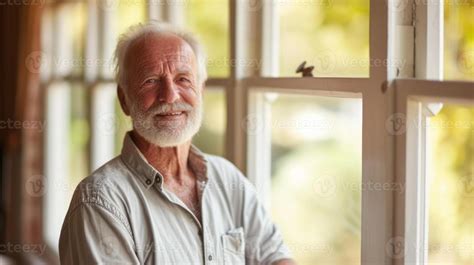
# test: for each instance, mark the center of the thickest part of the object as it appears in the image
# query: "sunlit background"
(315, 140)
(451, 186)
(316, 176)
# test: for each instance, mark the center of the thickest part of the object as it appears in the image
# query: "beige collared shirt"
(122, 214)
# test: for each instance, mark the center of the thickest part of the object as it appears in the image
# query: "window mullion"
(100, 98)
(245, 32)
(429, 39)
(377, 141)
(174, 12)
(270, 42)
(155, 10)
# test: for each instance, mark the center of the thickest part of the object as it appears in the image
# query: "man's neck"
(171, 162)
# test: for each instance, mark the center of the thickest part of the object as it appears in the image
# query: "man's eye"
(183, 79)
(151, 81)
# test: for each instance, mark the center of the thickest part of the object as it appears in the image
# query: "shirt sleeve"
(92, 234)
(264, 243)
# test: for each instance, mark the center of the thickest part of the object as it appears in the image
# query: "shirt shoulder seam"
(108, 206)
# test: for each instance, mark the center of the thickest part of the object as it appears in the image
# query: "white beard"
(167, 133)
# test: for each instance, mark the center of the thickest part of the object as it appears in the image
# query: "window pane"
(211, 136)
(451, 186)
(459, 39)
(66, 154)
(130, 12)
(102, 108)
(63, 41)
(332, 35)
(316, 176)
(122, 124)
(210, 21)
(79, 133)
(116, 18)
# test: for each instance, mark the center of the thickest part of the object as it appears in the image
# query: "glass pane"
(332, 35)
(451, 186)
(77, 20)
(459, 39)
(316, 176)
(211, 136)
(102, 108)
(115, 18)
(122, 124)
(63, 41)
(130, 13)
(210, 21)
(79, 134)
(66, 154)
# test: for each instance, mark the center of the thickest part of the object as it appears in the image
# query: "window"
(437, 175)
(332, 35)
(211, 138)
(341, 160)
(425, 110)
(450, 185)
(316, 169)
(210, 21)
(458, 40)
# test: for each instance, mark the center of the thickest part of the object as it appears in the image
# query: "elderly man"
(162, 201)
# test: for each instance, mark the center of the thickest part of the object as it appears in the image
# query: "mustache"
(170, 107)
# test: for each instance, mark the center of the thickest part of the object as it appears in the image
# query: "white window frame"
(415, 101)
(377, 155)
(411, 229)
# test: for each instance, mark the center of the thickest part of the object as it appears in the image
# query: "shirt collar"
(148, 175)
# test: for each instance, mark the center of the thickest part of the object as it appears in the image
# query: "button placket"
(208, 246)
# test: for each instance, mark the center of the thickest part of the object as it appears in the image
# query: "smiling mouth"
(171, 115)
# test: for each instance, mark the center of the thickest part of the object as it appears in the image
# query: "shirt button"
(210, 257)
(148, 182)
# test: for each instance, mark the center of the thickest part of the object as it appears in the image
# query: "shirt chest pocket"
(233, 243)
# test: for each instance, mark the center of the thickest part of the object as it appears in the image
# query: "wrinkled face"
(162, 91)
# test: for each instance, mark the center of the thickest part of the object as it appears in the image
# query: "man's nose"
(168, 92)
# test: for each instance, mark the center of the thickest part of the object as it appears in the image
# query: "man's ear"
(123, 100)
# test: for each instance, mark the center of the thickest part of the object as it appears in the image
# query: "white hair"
(136, 31)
